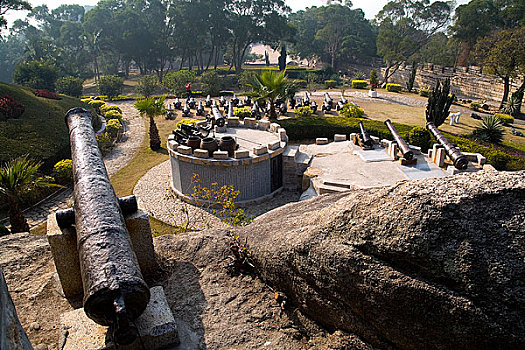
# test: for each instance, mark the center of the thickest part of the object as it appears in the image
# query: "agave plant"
(15, 177)
(490, 130)
(513, 103)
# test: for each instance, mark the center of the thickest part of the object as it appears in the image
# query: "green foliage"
(330, 83)
(301, 83)
(147, 85)
(419, 136)
(86, 99)
(110, 85)
(242, 113)
(246, 77)
(113, 115)
(113, 127)
(359, 84)
(425, 91)
(175, 81)
(439, 102)
(36, 75)
(351, 110)
(303, 112)
(151, 106)
(188, 121)
(71, 86)
(393, 87)
(64, 172)
(513, 104)
(97, 104)
(373, 78)
(491, 130)
(359, 76)
(268, 87)
(211, 83)
(505, 118)
(106, 108)
(105, 143)
(475, 106)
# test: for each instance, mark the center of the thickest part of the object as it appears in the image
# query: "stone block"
(232, 121)
(142, 240)
(354, 138)
(261, 158)
(321, 141)
(171, 137)
(172, 145)
(339, 137)
(440, 157)
(220, 155)
(260, 150)
(263, 125)
(201, 153)
(220, 129)
(63, 245)
(274, 145)
(247, 161)
(481, 160)
(222, 162)
(250, 122)
(274, 127)
(282, 135)
(201, 161)
(156, 327)
(415, 149)
(184, 149)
(185, 158)
(375, 139)
(242, 154)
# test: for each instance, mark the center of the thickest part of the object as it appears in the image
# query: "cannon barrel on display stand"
(365, 137)
(403, 145)
(459, 159)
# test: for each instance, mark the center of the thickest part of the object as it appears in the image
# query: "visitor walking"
(188, 90)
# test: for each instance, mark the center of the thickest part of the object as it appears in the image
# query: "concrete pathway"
(119, 156)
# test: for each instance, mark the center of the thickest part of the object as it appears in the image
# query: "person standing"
(188, 90)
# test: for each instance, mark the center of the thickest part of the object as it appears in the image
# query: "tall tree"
(11, 5)
(405, 26)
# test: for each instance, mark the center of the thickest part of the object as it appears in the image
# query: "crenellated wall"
(466, 82)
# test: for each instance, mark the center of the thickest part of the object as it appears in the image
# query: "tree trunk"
(273, 113)
(16, 217)
(506, 89)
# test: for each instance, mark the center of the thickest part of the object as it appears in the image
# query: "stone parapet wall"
(466, 82)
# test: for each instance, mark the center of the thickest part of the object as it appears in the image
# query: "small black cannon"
(298, 102)
(328, 100)
(216, 118)
(192, 103)
(186, 111)
(292, 102)
(459, 159)
(222, 101)
(306, 99)
(235, 100)
(177, 104)
(283, 109)
(248, 101)
(403, 145)
(115, 293)
(230, 109)
(365, 139)
(256, 110)
(208, 102)
(200, 109)
(313, 106)
(341, 103)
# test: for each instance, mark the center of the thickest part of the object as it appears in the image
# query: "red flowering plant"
(46, 94)
(10, 108)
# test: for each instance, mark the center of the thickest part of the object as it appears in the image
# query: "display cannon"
(340, 104)
(256, 111)
(459, 159)
(222, 101)
(208, 102)
(403, 145)
(283, 109)
(298, 103)
(216, 118)
(292, 102)
(186, 111)
(115, 293)
(192, 103)
(306, 99)
(200, 109)
(328, 100)
(313, 106)
(177, 104)
(230, 109)
(248, 101)
(235, 100)
(365, 140)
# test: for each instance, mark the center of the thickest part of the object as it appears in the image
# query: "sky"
(370, 7)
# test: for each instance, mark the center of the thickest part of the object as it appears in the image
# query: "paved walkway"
(119, 156)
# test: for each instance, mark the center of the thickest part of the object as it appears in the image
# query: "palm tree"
(16, 176)
(268, 87)
(152, 107)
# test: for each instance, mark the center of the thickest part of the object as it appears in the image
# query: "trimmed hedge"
(106, 108)
(313, 127)
(505, 118)
(330, 83)
(359, 84)
(113, 127)
(112, 114)
(64, 172)
(303, 112)
(424, 91)
(393, 87)
(301, 83)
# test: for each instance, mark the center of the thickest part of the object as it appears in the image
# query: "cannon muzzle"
(115, 293)
(365, 137)
(403, 146)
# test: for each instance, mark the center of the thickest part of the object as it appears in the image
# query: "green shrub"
(112, 114)
(186, 121)
(71, 86)
(113, 127)
(86, 99)
(303, 112)
(175, 81)
(475, 106)
(245, 78)
(64, 171)
(96, 104)
(491, 130)
(106, 108)
(211, 83)
(301, 83)
(359, 76)
(351, 110)
(424, 91)
(374, 80)
(229, 82)
(242, 113)
(110, 85)
(36, 75)
(147, 85)
(359, 84)
(105, 143)
(420, 136)
(330, 83)
(505, 118)
(393, 87)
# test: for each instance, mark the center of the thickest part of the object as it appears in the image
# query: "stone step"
(322, 189)
(302, 159)
(290, 152)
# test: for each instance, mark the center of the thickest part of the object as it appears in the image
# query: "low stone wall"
(466, 82)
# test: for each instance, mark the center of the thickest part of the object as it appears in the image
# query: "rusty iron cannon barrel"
(115, 292)
(365, 137)
(459, 159)
(217, 118)
(403, 145)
